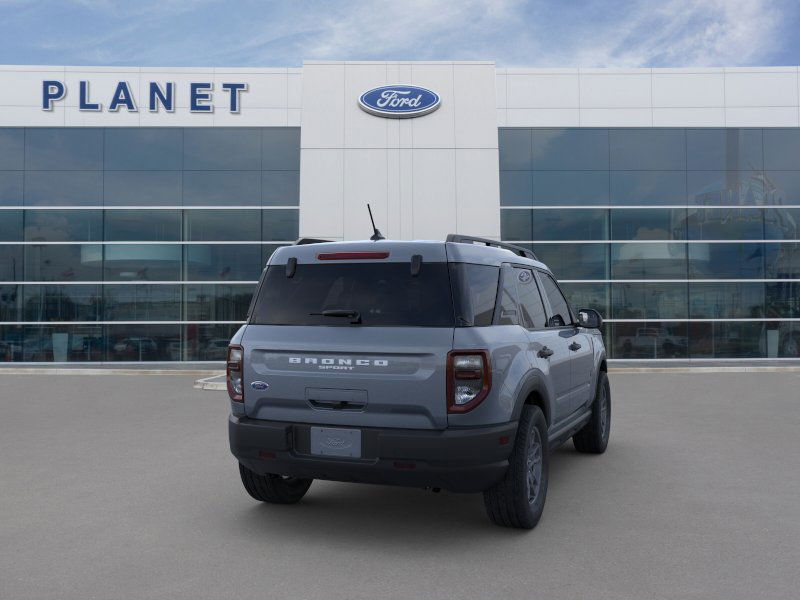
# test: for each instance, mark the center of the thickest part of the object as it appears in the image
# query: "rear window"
(384, 294)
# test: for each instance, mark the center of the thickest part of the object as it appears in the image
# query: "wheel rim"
(533, 481)
(603, 412)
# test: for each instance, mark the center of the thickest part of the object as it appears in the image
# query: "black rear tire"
(518, 500)
(275, 489)
(593, 438)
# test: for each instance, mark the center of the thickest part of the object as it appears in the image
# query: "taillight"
(469, 378)
(233, 373)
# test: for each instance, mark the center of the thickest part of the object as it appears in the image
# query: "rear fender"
(535, 384)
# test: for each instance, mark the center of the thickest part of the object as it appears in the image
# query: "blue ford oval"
(399, 101)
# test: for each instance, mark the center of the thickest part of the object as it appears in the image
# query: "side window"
(558, 303)
(508, 298)
(530, 301)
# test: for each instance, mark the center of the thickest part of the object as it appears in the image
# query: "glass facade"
(685, 240)
(138, 244)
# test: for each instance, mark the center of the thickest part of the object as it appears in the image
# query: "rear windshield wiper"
(353, 315)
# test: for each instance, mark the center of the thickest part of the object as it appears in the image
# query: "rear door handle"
(545, 352)
(574, 346)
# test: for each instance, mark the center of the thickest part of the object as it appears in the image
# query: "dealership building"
(138, 206)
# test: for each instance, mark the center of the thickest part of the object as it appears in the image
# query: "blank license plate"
(329, 441)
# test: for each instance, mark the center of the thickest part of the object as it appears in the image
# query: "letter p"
(51, 91)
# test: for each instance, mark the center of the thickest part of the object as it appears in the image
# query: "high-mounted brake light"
(352, 255)
(469, 379)
(233, 373)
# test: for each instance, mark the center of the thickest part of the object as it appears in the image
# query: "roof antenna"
(377, 235)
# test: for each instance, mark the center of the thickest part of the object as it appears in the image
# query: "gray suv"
(456, 365)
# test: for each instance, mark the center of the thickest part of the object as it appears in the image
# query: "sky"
(566, 33)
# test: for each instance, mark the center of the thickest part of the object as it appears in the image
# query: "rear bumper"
(460, 460)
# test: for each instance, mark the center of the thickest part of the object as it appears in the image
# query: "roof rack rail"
(468, 239)
(304, 241)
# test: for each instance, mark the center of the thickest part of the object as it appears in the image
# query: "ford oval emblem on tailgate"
(259, 385)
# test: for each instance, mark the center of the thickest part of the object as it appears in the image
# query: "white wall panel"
(433, 211)
(437, 129)
(760, 88)
(474, 104)
(362, 130)
(323, 105)
(365, 181)
(542, 117)
(322, 196)
(615, 90)
(543, 90)
(616, 117)
(475, 182)
(689, 117)
(693, 90)
(761, 116)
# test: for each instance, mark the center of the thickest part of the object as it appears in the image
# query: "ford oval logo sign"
(399, 101)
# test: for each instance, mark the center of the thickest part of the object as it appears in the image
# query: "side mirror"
(589, 318)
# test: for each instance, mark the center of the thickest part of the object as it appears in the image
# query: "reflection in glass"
(782, 148)
(10, 226)
(67, 262)
(218, 302)
(570, 149)
(516, 188)
(208, 342)
(726, 224)
(153, 262)
(280, 148)
(143, 148)
(559, 224)
(782, 260)
(648, 149)
(63, 148)
(574, 261)
(588, 295)
(650, 339)
(10, 305)
(142, 302)
(557, 188)
(648, 224)
(726, 300)
(221, 188)
(783, 340)
(62, 303)
(11, 263)
(724, 149)
(234, 262)
(280, 224)
(222, 225)
(143, 342)
(515, 149)
(63, 188)
(783, 299)
(648, 261)
(280, 188)
(731, 188)
(726, 261)
(221, 148)
(638, 300)
(727, 340)
(62, 343)
(11, 188)
(648, 187)
(12, 148)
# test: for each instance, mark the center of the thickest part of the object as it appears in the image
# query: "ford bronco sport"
(456, 365)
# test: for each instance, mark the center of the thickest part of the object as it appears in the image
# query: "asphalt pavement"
(122, 486)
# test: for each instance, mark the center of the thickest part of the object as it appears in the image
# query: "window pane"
(11, 340)
(781, 223)
(11, 263)
(782, 261)
(63, 225)
(581, 224)
(236, 262)
(222, 148)
(63, 148)
(783, 187)
(783, 299)
(729, 188)
(143, 342)
(142, 225)
(648, 224)
(65, 188)
(11, 188)
(62, 303)
(648, 261)
(726, 224)
(280, 224)
(515, 149)
(10, 226)
(509, 313)
(280, 188)
(10, 308)
(575, 261)
(724, 149)
(142, 302)
(221, 188)
(727, 340)
(218, 302)
(474, 293)
(516, 188)
(208, 342)
(69, 262)
(587, 295)
(782, 148)
(530, 300)
(142, 188)
(726, 300)
(222, 225)
(12, 145)
(637, 300)
(63, 343)
(783, 341)
(726, 261)
(154, 262)
(516, 225)
(648, 187)
(570, 149)
(559, 309)
(648, 149)
(555, 188)
(143, 148)
(651, 339)
(281, 148)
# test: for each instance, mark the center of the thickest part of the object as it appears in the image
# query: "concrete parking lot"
(123, 487)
